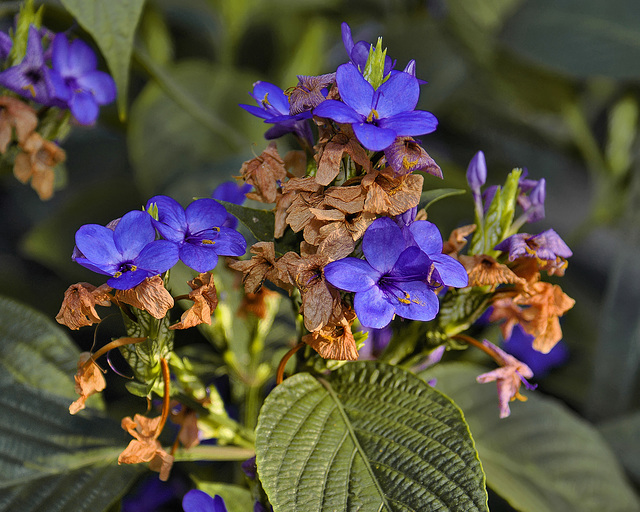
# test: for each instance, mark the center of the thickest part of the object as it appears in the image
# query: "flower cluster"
(54, 73)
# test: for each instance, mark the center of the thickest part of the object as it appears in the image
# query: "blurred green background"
(550, 85)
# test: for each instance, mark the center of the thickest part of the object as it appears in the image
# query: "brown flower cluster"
(36, 156)
(331, 211)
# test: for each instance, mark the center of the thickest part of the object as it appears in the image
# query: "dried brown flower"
(457, 239)
(15, 115)
(264, 172)
(255, 303)
(78, 306)
(150, 295)
(307, 94)
(36, 162)
(388, 194)
(406, 155)
(335, 340)
(330, 151)
(485, 270)
(89, 380)
(262, 266)
(146, 447)
(205, 301)
(187, 419)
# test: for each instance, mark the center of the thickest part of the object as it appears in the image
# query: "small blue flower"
(199, 501)
(377, 116)
(531, 198)
(274, 108)
(231, 192)
(392, 281)
(31, 78)
(77, 82)
(477, 174)
(545, 246)
(359, 52)
(129, 253)
(198, 231)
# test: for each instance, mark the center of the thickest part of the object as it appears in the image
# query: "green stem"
(185, 100)
(213, 453)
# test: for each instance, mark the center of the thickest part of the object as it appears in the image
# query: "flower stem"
(166, 377)
(120, 342)
(472, 341)
(285, 360)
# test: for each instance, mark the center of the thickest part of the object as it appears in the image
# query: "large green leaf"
(50, 460)
(112, 23)
(373, 437)
(622, 434)
(543, 458)
(579, 37)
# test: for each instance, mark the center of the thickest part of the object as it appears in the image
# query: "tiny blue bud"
(477, 172)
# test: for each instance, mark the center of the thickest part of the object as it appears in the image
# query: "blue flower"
(545, 246)
(531, 198)
(198, 231)
(359, 52)
(5, 45)
(392, 281)
(199, 501)
(31, 78)
(377, 116)
(274, 108)
(129, 253)
(77, 82)
(426, 235)
(231, 192)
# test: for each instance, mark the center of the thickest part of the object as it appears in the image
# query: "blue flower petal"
(107, 269)
(100, 84)
(157, 257)
(382, 244)
(80, 59)
(204, 214)
(129, 279)
(355, 91)
(338, 111)
(373, 308)
(96, 243)
(199, 501)
(451, 271)
(84, 108)
(272, 94)
(256, 111)
(347, 39)
(132, 234)
(416, 301)
(199, 258)
(59, 87)
(399, 93)
(230, 242)
(410, 124)
(172, 221)
(412, 265)
(427, 236)
(351, 274)
(372, 137)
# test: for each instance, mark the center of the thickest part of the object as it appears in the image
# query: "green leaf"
(461, 307)
(543, 458)
(622, 435)
(51, 460)
(34, 351)
(578, 37)
(428, 198)
(112, 23)
(374, 437)
(261, 223)
(236, 498)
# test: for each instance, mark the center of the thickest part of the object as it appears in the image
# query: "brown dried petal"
(264, 172)
(205, 301)
(485, 270)
(457, 239)
(89, 380)
(150, 295)
(78, 306)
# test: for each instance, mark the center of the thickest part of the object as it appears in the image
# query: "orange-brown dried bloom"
(15, 115)
(150, 295)
(78, 307)
(335, 340)
(330, 150)
(264, 172)
(146, 447)
(388, 194)
(205, 301)
(485, 270)
(457, 239)
(36, 162)
(89, 380)
(262, 266)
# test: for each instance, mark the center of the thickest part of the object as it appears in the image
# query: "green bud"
(27, 17)
(374, 69)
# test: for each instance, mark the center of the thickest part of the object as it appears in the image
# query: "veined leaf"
(373, 437)
(261, 223)
(542, 458)
(112, 23)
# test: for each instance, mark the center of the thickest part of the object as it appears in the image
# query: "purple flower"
(231, 192)
(531, 198)
(198, 231)
(359, 52)
(199, 501)
(129, 253)
(274, 108)
(5, 45)
(545, 246)
(426, 236)
(477, 174)
(77, 82)
(392, 280)
(520, 346)
(31, 78)
(377, 116)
